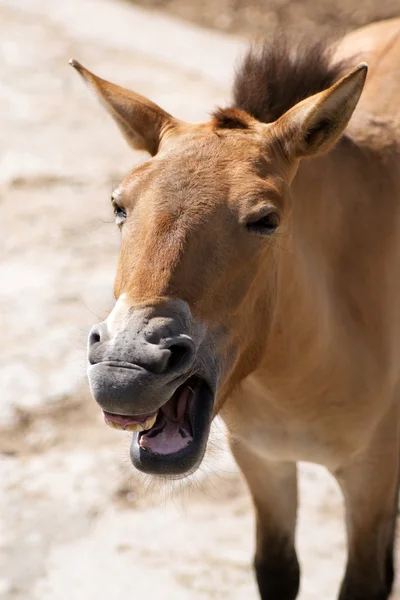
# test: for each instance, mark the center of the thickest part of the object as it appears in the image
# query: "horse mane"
(275, 76)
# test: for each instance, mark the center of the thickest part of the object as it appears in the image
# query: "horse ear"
(142, 122)
(315, 124)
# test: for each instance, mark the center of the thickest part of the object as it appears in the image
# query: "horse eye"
(265, 226)
(120, 213)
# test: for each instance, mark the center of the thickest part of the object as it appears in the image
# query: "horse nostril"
(178, 354)
(181, 355)
(95, 336)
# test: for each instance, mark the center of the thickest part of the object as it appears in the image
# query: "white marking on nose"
(119, 313)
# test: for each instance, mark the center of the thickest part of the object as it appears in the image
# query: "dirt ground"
(76, 522)
(259, 17)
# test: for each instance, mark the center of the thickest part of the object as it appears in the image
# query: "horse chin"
(175, 445)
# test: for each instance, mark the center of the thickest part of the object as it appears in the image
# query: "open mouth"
(172, 440)
(165, 431)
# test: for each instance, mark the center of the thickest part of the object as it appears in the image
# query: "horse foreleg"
(273, 486)
(370, 488)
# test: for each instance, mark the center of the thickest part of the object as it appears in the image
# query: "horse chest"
(291, 442)
(323, 430)
(287, 441)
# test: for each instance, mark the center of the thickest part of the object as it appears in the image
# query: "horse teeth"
(134, 427)
(113, 424)
(150, 422)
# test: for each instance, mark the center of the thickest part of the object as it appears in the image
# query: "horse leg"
(273, 486)
(370, 489)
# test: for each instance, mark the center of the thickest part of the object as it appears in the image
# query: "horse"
(258, 280)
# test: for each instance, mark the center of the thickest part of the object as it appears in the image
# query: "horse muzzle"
(147, 370)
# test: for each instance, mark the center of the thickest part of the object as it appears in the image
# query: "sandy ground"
(260, 17)
(75, 520)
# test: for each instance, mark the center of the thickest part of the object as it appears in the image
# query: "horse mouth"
(172, 440)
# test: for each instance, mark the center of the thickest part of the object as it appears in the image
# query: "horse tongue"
(175, 434)
(170, 439)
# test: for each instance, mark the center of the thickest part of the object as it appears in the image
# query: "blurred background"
(75, 520)
(259, 17)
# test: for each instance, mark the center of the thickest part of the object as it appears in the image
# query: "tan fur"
(305, 324)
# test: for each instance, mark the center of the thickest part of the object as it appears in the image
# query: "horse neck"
(307, 312)
(337, 276)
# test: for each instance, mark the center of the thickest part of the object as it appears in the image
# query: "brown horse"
(259, 279)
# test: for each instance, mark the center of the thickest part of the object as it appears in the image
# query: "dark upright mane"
(274, 77)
